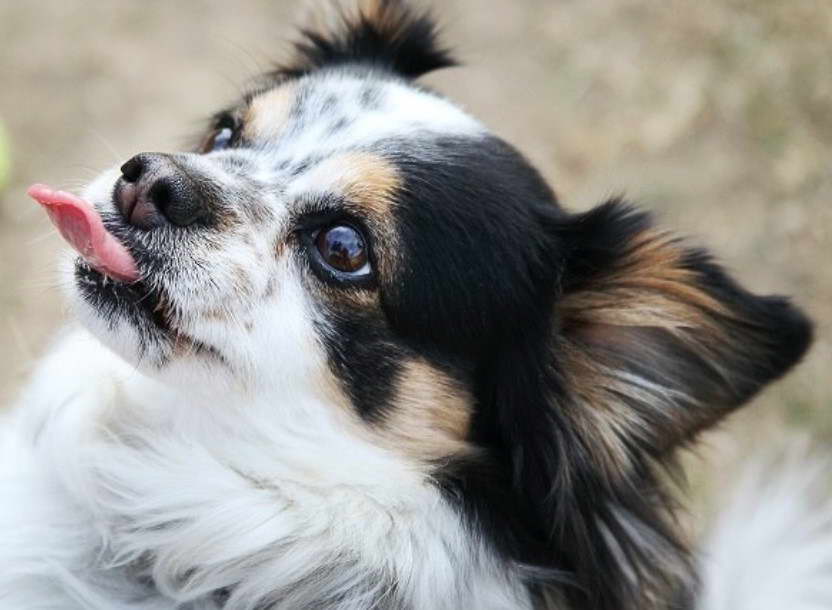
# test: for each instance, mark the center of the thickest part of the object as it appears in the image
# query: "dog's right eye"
(222, 139)
(222, 136)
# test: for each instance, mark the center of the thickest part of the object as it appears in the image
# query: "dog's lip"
(81, 226)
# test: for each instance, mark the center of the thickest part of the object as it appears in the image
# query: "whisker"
(24, 347)
(110, 148)
(38, 239)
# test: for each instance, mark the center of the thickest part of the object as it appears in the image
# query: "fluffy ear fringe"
(649, 343)
(609, 541)
(385, 34)
(658, 335)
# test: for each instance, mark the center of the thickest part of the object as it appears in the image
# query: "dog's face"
(345, 233)
(339, 224)
(302, 236)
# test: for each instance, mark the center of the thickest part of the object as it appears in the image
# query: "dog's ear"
(655, 338)
(385, 34)
(649, 342)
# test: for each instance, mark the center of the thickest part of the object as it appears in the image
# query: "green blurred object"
(5, 157)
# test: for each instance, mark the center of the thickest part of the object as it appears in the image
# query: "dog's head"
(347, 233)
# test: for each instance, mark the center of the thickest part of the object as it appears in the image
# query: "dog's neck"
(271, 498)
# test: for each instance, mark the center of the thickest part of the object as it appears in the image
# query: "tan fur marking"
(648, 288)
(268, 113)
(430, 416)
(368, 183)
(360, 299)
(602, 414)
(429, 419)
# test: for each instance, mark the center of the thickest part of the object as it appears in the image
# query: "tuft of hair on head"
(390, 35)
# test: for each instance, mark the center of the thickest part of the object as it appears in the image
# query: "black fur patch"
(720, 361)
(390, 36)
(134, 303)
(604, 538)
(486, 256)
(365, 359)
(473, 258)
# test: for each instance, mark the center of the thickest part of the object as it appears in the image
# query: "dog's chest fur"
(181, 501)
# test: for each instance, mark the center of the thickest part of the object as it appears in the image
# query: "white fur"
(400, 111)
(109, 476)
(174, 480)
(771, 548)
(156, 481)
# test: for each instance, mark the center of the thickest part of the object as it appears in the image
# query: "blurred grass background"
(717, 115)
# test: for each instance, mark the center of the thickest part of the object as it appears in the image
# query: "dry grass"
(718, 115)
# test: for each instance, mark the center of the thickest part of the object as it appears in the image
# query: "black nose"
(154, 190)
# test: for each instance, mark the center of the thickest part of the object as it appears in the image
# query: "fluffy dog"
(353, 354)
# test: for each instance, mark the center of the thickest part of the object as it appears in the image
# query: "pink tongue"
(80, 224)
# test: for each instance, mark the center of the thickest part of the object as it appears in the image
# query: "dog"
(352, 353)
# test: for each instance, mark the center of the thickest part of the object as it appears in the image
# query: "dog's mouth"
(106, 273)
(81, 226)
(120, 277)
(135, 298)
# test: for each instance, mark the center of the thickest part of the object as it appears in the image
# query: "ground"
(717, 115)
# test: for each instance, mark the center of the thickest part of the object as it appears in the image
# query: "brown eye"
(343, 248)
